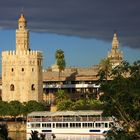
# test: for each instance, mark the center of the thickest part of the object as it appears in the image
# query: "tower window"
(32, 69)
(12, 69)
(32, 87)
(22, 69)
(12, 87)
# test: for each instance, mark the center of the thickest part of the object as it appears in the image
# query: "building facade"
(77, 82)
(22, 69)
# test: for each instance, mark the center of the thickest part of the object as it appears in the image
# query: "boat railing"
(71, 119)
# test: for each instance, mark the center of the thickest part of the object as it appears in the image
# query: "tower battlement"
(23, 53)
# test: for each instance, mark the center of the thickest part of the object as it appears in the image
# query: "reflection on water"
(79, 137)
(22, 136)
(17, 135)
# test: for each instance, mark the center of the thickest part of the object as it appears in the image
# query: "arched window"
(12, 87)
(32, 87)
(32, 69)
(12, 69)
(22, 69)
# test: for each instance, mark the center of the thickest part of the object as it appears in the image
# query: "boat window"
(72, 125)
(89, 124)
(37, 125)
(98, 124)
(84, 124)
(58, 125)
(94, 130)
(46, 130)
(102, 125)
(106, 125)
(49, 125)
(78, 124)
(65, 125)
(44, 124)
(53, 125)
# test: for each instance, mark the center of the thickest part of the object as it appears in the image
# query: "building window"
(32, 87)
(12, 88)
(32, 69)
(22, 69)
(12, 69)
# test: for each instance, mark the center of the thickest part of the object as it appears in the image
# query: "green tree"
(60, 60)
(15, 108)
(64, 102)
(65, 105)
(105, 68)
(4, 108)
(33, 105)
(122, 99)
(61, 96)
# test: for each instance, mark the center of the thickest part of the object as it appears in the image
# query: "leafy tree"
(64, 102)
(105, 68)
(15, 108)
(61, 95)
(33, 106)
(4, 108)
(122, 98)
(60, 60)
(65, 105)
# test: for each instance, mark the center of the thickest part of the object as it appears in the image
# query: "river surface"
(22, 136)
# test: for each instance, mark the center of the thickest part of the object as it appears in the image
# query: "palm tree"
(60, 60)
(105, 68)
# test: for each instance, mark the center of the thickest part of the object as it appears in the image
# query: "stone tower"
(115, 55)
(22, 69)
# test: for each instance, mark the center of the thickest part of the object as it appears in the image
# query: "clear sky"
(83, 30)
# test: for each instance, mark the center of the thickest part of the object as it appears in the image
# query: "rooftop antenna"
(115, 31)
(22, 10)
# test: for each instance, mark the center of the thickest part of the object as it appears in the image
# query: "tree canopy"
(16, 108)
(122, 98)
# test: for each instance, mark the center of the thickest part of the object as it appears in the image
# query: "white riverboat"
(69, 122)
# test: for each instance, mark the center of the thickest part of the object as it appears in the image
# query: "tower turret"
(22, 22)
(22, 35)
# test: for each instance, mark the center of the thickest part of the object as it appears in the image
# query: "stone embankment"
(16, 126)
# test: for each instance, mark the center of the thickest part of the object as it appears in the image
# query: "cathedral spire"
(115, 42)
(115, 55)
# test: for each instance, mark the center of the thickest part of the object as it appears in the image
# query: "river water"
(22, 136)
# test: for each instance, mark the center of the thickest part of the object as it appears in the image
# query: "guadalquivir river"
(22, 136)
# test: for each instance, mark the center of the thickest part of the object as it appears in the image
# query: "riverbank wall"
(16, 126)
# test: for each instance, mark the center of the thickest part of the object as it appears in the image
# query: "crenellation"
(23, 53)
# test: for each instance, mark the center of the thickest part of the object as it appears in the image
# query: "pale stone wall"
(16, 126)
(22, 69)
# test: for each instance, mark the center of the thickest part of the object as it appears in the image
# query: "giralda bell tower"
(22, 69)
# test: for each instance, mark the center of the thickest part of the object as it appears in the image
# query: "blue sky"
(83, 29)
(82, 52)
